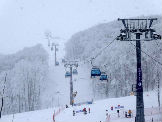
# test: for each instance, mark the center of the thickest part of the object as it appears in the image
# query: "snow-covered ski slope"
(57, 90)
(97, 114)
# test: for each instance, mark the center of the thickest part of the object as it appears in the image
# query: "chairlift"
(75, 71)
(52, 48)
(63, 60)
(48, 44)
(95, 72)
(67, 74)
(103, 76)
(57, 63)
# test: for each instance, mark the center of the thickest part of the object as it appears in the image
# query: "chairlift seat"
(75, 71)
(57, 63)
(67, 74)
(103, 77)
(95, 72)
(63, 60)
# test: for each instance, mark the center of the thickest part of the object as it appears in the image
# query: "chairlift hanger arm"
(151, 21)
(71, 63)
(141, 26)
(124, 21)
(137, 19)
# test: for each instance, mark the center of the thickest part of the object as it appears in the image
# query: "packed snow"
(97, 111)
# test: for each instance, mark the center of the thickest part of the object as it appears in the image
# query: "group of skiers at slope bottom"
(84, 111)
(127, 114)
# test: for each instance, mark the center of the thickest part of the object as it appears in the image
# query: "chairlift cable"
(157, 43)
(147, 55)
(100, 52)
(104, 48)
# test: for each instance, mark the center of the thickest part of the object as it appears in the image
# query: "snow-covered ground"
(98, 111)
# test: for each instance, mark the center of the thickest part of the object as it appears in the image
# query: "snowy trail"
(83, 85)
(58, 87)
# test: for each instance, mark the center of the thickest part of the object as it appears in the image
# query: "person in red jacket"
(84, 110)
(112, 108)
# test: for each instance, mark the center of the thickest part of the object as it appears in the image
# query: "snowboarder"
(66, 106)
(89, 110)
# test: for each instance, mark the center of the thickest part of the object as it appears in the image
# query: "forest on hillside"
(119, 59)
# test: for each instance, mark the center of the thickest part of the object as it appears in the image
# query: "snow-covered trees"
(119, 57)
(27, 71)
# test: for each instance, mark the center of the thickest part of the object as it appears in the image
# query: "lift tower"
(138, 30)
(55, 49)
(71, 64)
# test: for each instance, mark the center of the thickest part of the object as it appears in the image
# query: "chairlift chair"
(67, 74)
(95, 72)
(52, 48)
(57, 63)
(48, 44)
(75, 71)
(103, 77)
(63, 60)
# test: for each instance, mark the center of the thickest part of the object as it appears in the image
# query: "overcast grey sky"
(23, 22)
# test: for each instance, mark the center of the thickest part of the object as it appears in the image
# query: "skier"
(129, 113)
(72, 102)
(66, 106)
(125, 114)
(112, 108)
(73, 113)
(84, 110)
(106, 113)
(89, 110)
(118, 113)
